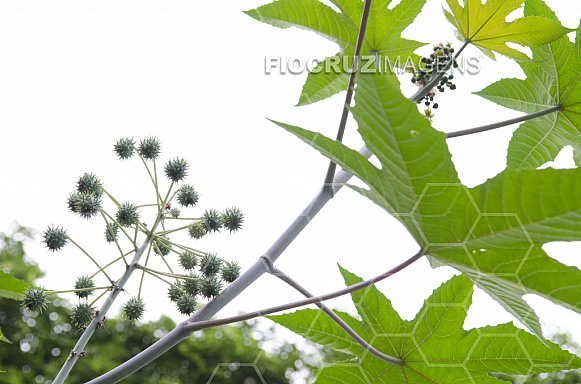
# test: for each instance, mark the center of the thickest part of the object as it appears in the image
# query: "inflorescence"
(205, 273)
(433, 66)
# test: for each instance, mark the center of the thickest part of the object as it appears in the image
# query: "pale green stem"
(162, 279)
(143, 273)
(174, 275)
(93, 260)
(177, 229)
(111, 197)
(114, 238)
(158, 197)
(98, 297)
(120, 227)
(113, 262)
(76, 290)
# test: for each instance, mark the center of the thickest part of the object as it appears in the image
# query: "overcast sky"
(76, 76)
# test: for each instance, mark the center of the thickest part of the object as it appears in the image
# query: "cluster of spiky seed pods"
(205, 273)
(433, 66)
(205, 277)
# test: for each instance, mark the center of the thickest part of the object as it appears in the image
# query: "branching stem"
(93, 260)
(350, 331)
(186, 328)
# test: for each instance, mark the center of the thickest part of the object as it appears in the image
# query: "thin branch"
(114, 237)
(504, 123)
(120, 227)
(98, 297)
(350, 87)
(173, 275)
(112, 262)
(157, 195)
(84, 339)
(110, 196)
(76, 290)
(93, 260)
(185, 329)
(350, 331)
(177, 229)
(162, 279)
(143, 272)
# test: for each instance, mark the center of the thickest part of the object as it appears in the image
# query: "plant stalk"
(504, 123)
(195, 323)
(82, 342)
(345, 114)
(350, 331)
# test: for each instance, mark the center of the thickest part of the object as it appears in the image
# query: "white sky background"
(76, 76)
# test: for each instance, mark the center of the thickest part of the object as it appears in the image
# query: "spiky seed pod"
(212, 220)
(175, 213)
(35, 299)
(150, 148)
(188, 260)
(82, 314)
(176, 169)
(210, 264)
(230, 271)
(72, 201)
(88, 205)
(197, 231)
(175, 291)
(162, 246)
(187, 195)
(84, 282)
(127, 214)
(55, 238)
(111, 233)
(124, 148)
(90, 183)
(186, 304)
(210, 287)
(192, 285)
(134, 308)
(232, 219)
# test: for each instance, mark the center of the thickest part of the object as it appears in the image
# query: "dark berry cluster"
(432, 67)
(207, 281)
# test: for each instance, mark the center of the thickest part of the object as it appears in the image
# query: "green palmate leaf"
(434, 345)
(484, 26)
(553, 80)
(11, 287)
(493, 233)
(383, 43)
